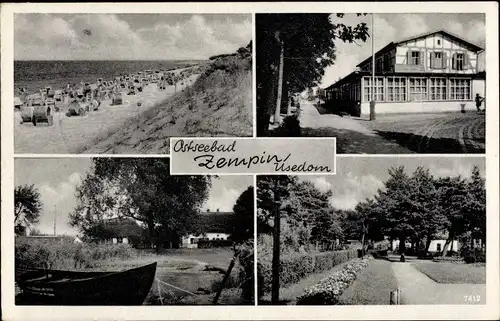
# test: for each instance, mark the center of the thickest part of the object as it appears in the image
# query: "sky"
(360, 177)
(39, 36)
(392, 27)
(56, 179)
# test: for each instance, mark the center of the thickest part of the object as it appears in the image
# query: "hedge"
(297, 266)
(329, 290)
(452, 259)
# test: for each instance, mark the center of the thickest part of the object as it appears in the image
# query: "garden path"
(418, 288)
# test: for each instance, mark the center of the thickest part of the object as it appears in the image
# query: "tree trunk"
(445, 251)
(402, 245)
(428, 244)
(363, 242)
(280, 79)
(289, 106)
(276, 248)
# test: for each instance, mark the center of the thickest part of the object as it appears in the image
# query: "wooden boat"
(55, 287)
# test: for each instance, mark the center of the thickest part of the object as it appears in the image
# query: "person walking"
(479, 101)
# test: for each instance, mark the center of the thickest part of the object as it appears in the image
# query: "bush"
(204, 244)
(296, 266)
(328, 290)
(289, 128)
(61, 254)
(473, 255)
(452, 259)
(246, 274)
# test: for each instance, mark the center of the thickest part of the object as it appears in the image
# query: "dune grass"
(454, 273)
(218, 103)
(372, 286)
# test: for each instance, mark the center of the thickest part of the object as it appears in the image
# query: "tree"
(474, 207)
(397, 203)
(242, 223)
(270, 193)
(27, 205)
(144, 190)
(427, 207)
(295, 49)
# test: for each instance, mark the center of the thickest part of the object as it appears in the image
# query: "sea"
(34, 75)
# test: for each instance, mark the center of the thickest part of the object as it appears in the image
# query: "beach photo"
(380, 83)
(126, 83)
(123, 231)
(382, 231)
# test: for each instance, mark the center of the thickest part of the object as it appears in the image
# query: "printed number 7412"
(472, 298)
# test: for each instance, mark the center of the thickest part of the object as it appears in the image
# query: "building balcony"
(408, 68)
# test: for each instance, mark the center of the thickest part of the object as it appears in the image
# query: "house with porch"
(432, 72)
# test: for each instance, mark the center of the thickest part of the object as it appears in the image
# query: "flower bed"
(329, 290)
(296, 266)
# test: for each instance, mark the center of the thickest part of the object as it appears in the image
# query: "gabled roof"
(455, 37)
(394, 44)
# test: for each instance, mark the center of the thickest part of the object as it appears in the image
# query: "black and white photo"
(383, 231)
(380, 83)
(123, 231)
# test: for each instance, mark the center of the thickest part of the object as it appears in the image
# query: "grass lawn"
(372, 286)
(455, 273)
(289, 294)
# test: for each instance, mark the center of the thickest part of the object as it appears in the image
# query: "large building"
(432, 72)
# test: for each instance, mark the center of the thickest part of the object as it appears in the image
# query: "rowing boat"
(56, 287)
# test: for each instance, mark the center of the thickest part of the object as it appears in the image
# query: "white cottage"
(432, 72)
(215, 227)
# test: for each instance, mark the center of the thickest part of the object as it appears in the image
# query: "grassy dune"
(218, 103)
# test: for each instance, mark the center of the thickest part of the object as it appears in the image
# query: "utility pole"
(372, 102)
(277, 111)
(275, 289)
(55, 218)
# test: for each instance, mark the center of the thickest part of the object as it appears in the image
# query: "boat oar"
(226, 277)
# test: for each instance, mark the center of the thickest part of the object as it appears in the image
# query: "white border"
(488, 311)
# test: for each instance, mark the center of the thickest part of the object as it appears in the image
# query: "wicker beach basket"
(43, 114)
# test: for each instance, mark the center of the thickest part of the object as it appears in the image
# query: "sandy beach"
(78, 134)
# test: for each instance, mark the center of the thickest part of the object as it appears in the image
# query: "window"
(387, 62)
(460, 89)
(437, 60)
(379, 64)
(396, 89)
(418, 89)
(439, 42)
(459, 61)
(415, 58)
(437, 88)
(378, 90)
(439, 247)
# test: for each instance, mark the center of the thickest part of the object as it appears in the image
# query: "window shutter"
(408, 57)
(423, 58)
(444, 62)
(466, 60)
(433, 60)
(454, 61)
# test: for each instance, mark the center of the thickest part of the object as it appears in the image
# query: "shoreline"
(77, 134)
